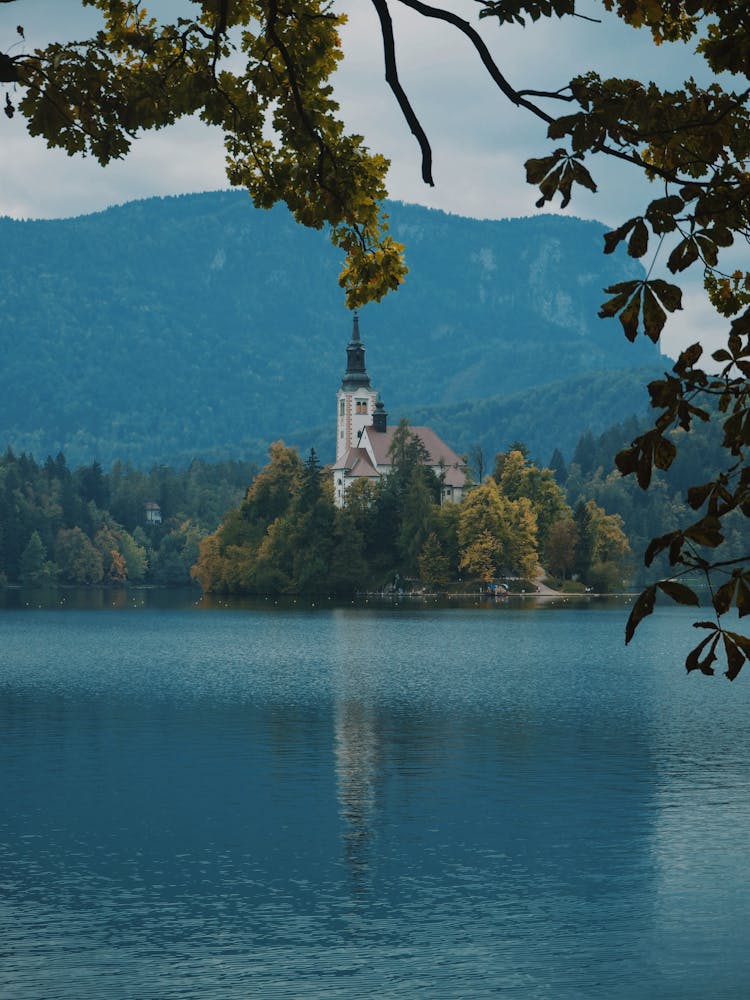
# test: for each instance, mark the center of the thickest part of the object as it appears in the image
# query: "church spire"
(355, 376)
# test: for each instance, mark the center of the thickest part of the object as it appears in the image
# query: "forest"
(287, 535)
(234, 528)
(87, 526)
(583, 522)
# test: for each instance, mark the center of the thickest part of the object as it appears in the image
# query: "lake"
(215, 800)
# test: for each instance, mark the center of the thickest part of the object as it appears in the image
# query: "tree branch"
(558, 95)
(9, 65)
(314, 133)
(484, 54)
(391, 76)
(517, 97)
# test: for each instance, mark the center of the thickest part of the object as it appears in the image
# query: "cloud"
(47, 183)
(480, 140)
(697, 322)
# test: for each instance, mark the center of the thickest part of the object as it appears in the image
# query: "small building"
(363, 437)
(152, 512)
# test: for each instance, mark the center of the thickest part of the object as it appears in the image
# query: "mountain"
(198, 325)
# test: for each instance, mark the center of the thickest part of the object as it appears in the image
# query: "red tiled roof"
(437, 450)
(348, 461)
(357, 463)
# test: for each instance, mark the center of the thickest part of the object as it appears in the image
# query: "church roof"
(357, 464)
(437, 450)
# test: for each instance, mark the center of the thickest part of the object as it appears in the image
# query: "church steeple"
(355, 400)
(355, 376)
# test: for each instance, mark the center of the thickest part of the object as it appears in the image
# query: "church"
(363, 437)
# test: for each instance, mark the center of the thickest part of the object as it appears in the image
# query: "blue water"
(348, 802)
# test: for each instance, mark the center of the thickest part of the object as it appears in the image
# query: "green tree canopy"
(35, 569)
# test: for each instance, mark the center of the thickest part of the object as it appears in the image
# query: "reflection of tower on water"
(357, 773)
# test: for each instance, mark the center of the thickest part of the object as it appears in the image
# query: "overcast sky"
(479, 140)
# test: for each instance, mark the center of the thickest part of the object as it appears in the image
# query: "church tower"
(355, 400)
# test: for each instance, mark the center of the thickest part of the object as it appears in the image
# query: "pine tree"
(558, 467)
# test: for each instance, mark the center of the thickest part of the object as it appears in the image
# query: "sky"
(479, 140)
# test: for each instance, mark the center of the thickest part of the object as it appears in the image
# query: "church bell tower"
(355, 400)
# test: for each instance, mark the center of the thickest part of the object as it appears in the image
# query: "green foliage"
(497, 535)
(288, 537)
(35, 569)
(482, 555)
(434, 564)
(553, 412)
(417, 522)
(79, 561)
(562, 544)
(49, 509)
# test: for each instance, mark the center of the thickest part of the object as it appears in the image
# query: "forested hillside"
(194, 326)
(591, 475)
(89, 526)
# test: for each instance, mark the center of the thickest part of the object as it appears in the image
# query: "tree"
(482, 556)
(482, 511)
(32, 560)
(228, 558)
(36, 570)
(586, 529)
(561, 548)
(602, 548)
(92, 485)
(285, 141)
(434, 564)
(522, 554)
(348, 568)
(136, 559)
(520, 479)
(512, 478)
(107, 542)
(77, 558)
(272, 489)
(311, 487)
(475, 458)
(496, 534)
(417, 523)
(558, 468)
(210, 568)
(406, 452)
(584, 455)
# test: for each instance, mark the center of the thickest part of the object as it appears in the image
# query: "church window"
(342, 406)
(361, 406)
